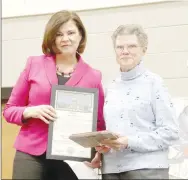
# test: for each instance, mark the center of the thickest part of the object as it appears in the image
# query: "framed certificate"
(77, 110)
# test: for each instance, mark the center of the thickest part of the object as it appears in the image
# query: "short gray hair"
(132, 29)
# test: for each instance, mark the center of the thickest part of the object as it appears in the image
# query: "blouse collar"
(133, 73)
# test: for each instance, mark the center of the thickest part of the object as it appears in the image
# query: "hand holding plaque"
(92, 139)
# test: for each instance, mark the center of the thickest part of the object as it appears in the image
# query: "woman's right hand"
(44, 112)
(102, 149)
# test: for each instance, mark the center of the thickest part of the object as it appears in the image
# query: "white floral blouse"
(137, 105)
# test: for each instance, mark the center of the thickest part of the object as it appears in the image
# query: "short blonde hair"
(132, 29)
(53, 25)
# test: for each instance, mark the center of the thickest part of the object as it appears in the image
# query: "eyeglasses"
(130, 47)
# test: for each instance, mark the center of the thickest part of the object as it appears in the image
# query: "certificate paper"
(77, 113)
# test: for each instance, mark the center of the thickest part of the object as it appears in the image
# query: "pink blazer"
(34, 88)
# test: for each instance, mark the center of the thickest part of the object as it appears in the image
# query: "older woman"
(29, 103)
(139, 109)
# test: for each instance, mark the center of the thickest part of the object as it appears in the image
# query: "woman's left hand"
(96, 161)
(118, 144)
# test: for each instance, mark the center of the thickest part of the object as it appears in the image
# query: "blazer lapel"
(79, 72)
(50, 68)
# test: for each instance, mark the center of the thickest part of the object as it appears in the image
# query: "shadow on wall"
(9, 133)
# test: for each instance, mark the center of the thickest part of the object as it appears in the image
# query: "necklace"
(67, 73)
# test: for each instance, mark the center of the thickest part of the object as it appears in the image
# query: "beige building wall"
(165, 23)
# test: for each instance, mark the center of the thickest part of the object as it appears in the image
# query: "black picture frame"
(81, 91)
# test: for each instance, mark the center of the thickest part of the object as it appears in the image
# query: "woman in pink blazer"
(29, 103)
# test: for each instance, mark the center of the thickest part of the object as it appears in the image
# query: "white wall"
(12, 8)
(165, 23)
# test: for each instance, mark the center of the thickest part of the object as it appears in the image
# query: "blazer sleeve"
(14, 108)
(100, 123)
